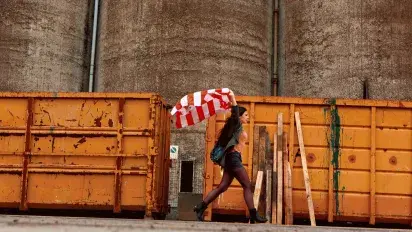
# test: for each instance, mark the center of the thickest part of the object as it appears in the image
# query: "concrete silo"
(330, 48)
(178, 47)
(45, 45)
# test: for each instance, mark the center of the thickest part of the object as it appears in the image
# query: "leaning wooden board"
(305, 170)
(279, 216)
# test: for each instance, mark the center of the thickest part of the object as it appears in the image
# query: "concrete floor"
(11, 223)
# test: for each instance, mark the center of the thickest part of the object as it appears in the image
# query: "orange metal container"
(84, 151)
(359, 156)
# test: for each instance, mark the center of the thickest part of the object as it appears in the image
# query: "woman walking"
(233, 138)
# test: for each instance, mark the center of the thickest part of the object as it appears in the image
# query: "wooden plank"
(291, 160)
(251, 138)
(288, 196)
(256, 194)
(262, 148)
(255, 154)
(305, 170)
(274, 181)
(269, 170)
(291, 135)
(251, 143)
(279, 199)
(280, 132)
(373, 167)
(279, 206)
(262, 167)
(268, 194)
(285, 175)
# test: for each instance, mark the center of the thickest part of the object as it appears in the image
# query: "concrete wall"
(178, 47)
(44, 45)
(173, 47)
(331, 47)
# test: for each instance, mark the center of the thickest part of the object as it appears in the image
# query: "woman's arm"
(235, 107)
(232, 98)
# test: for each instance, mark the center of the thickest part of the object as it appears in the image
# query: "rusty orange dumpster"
(84, 151)
(359, 157)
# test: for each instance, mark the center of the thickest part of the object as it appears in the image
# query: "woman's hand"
(232, 98)
(231, 93)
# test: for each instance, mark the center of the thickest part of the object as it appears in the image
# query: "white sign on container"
(174, 151)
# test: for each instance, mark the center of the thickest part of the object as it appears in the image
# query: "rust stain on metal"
(53, 144)
(24, 179)
(118, 180)
(311, 158)
(393, 160)
(82, 140)
(121, 110)
(352, 158)
(98, 121)
(83, 105)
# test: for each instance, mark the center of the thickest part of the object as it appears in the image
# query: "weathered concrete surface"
(178, 47)
(331, 47)
(42, 224)
(44, 45)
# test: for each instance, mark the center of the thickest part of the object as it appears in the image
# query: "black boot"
(255, 217)
(200, 209)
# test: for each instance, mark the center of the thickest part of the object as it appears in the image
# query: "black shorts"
(233, 160)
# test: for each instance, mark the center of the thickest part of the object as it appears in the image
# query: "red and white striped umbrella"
(196, 107)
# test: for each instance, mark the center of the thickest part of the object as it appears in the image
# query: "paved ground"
(19, 223)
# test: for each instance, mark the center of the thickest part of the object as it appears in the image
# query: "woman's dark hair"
(229, 128)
